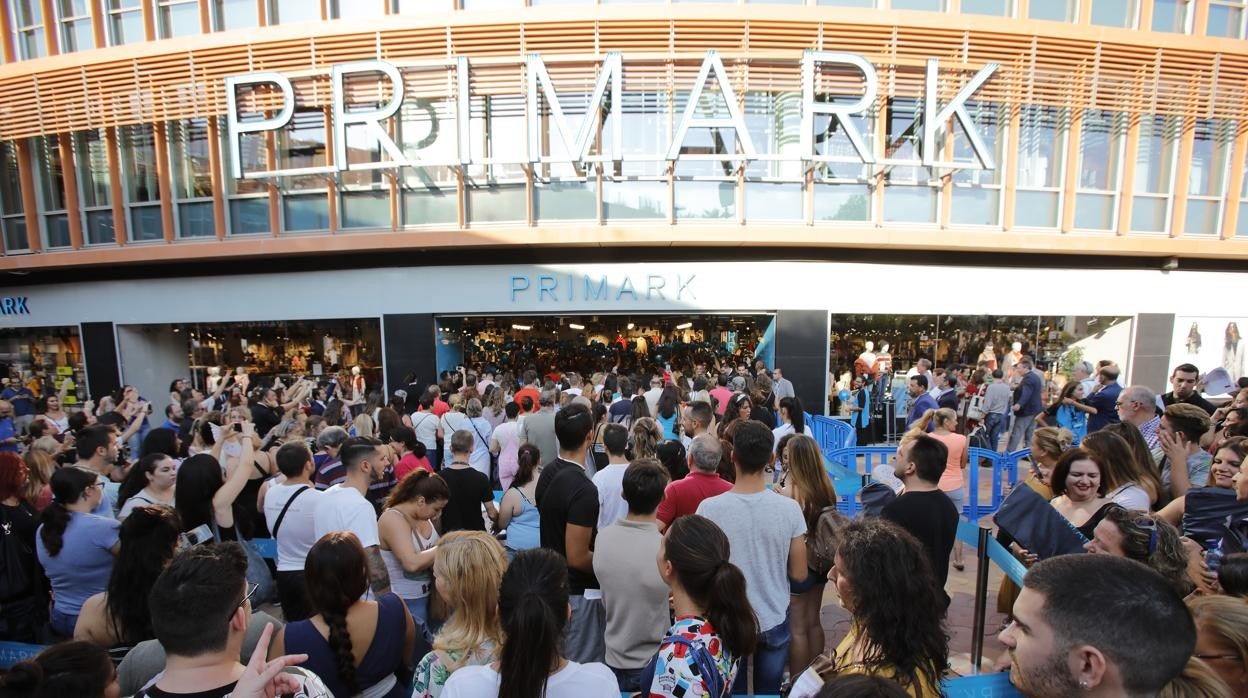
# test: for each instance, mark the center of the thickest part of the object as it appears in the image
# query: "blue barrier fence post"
(981, 600)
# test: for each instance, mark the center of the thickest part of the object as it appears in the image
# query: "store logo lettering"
(14, 305)
(931, 126)
(564, 288)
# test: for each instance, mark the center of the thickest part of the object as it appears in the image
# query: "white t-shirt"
(426, 427)
(611, 504)
(592, 680)
(343, 508)
(297, 534)
(780, 432)
(1130, 496)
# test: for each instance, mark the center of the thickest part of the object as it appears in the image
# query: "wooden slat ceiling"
(661, 53)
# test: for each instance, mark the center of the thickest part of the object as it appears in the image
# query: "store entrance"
(591, 343)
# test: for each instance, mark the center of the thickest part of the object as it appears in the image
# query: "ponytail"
(68, 486)
(419, 483)
(1197, 680)
(532, 608)
(75, 668)
(528, 458)
(699, 551)
(797, 415)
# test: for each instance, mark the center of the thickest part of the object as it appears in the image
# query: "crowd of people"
(658, 532)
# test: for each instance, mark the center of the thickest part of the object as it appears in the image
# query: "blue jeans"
(995, 423)
(63, 623)
(770, 659)
(628, 679)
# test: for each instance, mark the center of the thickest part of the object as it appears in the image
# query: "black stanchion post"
(981, 600)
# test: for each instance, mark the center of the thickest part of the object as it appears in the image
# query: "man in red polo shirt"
(683, 496)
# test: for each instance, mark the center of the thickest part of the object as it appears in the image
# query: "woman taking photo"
(408, 538)
(149, 482)
(944, 423)
(533, 612)
(119, 617)
(357, 647)
(715, 625)
(1068, 411)
(807, 483)
(897, 630)
(468, 567)
(76, 548)
(517, 512)
(203, 498)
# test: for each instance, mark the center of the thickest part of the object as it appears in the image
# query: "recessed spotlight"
(524, 328)
(574, 326)
(684, 326)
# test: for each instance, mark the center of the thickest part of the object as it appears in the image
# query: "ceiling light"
(684, 326)
(574, 326)
(630, 325)
(525, 328)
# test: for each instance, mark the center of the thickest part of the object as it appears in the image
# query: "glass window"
(76, 32)
(702, 199)
(95, 194)
(356, 9)
(1041, 166)
(1113, 13)
(928, 5)
(302, 145)
(125, 22)
(427, 134)
(1170, 15)
(1241, 223)
(1206, 180)
(304, 212)
(179, 18)
(773, 201)
(847, 3)
(46, 154)
(842, 202)
(249, 216)
(494, 203)
(1226, 18)
(141, 183)
(977, 192)
(28, 38)
(11, 209)
(1100, 160)
(489, 4)
(365, 209)
(909, 196)
(998, 8)
(1154, 174)
(1053, 10)
(565, 200)
(190, 167)
(632, 199)
(234, 14)
(292, 11)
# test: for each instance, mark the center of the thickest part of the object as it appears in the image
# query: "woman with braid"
(358, 647)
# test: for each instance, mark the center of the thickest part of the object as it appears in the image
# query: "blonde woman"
(40, 461)
(944, 423)
(645, 436)
(1222, 638)
(468, 569)
(807, 483)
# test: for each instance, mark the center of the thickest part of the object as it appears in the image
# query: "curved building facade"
(139, 130)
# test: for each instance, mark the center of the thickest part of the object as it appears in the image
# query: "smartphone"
(195, 536)
(237, 427)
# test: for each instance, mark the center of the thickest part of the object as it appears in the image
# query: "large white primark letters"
(935, 120)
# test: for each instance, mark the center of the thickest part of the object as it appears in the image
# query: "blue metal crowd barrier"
(831, 433)
(13, 652)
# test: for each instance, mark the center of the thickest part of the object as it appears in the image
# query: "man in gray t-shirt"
(767, 534)
(539, 428)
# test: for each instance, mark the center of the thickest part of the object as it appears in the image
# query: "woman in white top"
(409, 539)
(149, 482)
(481, 430)
(533, 610)
(505, 443)
(452, 421)
(1118, 469)
(792, 420)
(495, 410)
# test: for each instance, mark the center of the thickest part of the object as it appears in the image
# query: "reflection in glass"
(975, 206)
(125, 22)
(1095, 211)
(910, 204)
(189, 150)
(292, 11)
(248, 216)
(1201, 217)
(235, 14)
(634, 199)
(302, 145)
(1150, 214)
(1113, 13)
(28, 29)
(1100, 149)
(1226, 19)
(303, 212)
(706, 199)
(91, 167)
(430, 206)
(1052, 10)
(76, 31)
(842, 202)
(179, 18)
(495, 203)
(11, 207)
(1036, 209)
(1170, 15)
(565, 200)
(773, 201)
(46, 154)
(1210, 154)
(365, 209)
(1041, 146)
(998, 8)
(196, 220)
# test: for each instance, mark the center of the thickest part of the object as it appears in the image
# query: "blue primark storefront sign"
(14, 305)
(612, 288)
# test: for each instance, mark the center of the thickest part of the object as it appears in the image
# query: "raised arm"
(236, 479)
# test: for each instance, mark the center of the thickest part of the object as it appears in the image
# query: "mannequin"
(214, 378)
(989, 355)
(883, 361)
(330, 350)
(240, 378)
(357, 385)
(1012, 358)
(865, 363)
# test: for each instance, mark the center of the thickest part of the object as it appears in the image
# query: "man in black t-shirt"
(1183, 381)
(923, 510)
(567, 503)
(469, 489)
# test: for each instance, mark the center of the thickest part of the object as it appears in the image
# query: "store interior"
(589, 343)
(36, 356)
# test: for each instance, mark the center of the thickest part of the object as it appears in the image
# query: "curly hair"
(897, 602)
(1148, 539)
(646, 436)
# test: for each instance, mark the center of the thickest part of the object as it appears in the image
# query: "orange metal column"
(1178, 212)
(1234, 185)
(116, 192)
(218, 178)
(160, 141)
(69, 178)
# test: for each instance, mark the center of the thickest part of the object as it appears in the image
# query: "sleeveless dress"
(523, 532)
(375, 673)
(414, 589)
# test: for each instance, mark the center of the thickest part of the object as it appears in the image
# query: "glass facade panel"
(292, 11)
(304, 212)
(646, 131)
(189, 159)
(910, 204)
(1150, 214)
(1100, 150)
(46, 153)
(356, 9)
(1052, 10)
(15, 239)
(1170, 15)
(998, 8)
(1210, 156)
(847, 3)
(703, 199)
(302, 145)
(249, 216)
(927, 5)
(975, 206)
(11, 208)
(1202, 217)
(634, 199)
(145, 223)
(28, 37)
(430, 206)
(91, 167)
(195, 220)
(234, 14)
(76, 32)
(179, 18)
(99, 228)
(365, 209)
(1113, 13)
(1155, 158)
(494, 203)
(773, 201)
(1241, 223)
(138, 163)
(125, 22)
(57, 227)
(1036, 209)
(565, 200)
(490, 4)
(1095, 211)
(842, 202)
(1226, 19)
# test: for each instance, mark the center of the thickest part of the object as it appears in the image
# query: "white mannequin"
(214, 378)
(357, 385)
(1013, 357)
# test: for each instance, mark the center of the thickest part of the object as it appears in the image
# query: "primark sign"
(579, 139)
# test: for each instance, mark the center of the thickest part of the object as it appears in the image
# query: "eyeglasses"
(251, 591)
(1222, 657)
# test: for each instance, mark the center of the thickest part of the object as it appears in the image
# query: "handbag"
(1030, 520)
(975, 408)
(16, 579)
